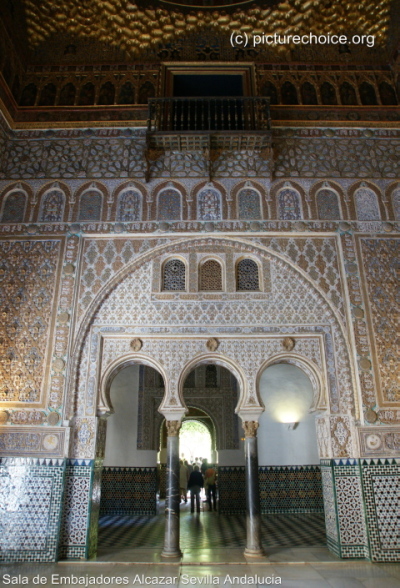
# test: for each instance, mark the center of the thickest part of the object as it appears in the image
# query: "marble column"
(253, 510)
(173, 498)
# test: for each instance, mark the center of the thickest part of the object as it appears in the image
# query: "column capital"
(250, 428)
(173, 428)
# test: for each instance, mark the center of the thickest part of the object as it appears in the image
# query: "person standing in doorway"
(210, 484)
(195, 484)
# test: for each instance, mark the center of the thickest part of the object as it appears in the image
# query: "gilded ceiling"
(133, 29)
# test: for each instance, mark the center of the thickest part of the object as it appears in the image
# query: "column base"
(171, 554)
(254, 552)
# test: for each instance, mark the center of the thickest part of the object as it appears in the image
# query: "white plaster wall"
(121, 441)
(287, 394)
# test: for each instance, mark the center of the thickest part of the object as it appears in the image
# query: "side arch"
(104, 407)
(317, 379)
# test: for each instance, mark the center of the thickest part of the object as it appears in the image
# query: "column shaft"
(253, 510)
(172, 500)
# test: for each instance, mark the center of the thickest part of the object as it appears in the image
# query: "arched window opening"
(367, 205)
(67, 95)
(368, 94)
(328, 205)
(289, 93)
(52, 208)
(127, 94)
(48, 95)
(289, 204)
(169, 205)
(309, 94)
(211, 276)
(247, 278)
(90, 206)
(249, 205)
(106, 94)
(14, 207)
(387, 94)
(209, 204)
(328, 94)
(146, 91)
(86, 96)
(174, 276)
(129, 206)
(348, 94)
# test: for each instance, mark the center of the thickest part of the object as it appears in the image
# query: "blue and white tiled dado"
(30, 508)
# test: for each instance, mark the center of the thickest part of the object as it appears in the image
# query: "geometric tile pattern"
(290, 489)
(31, 492)
(75, 519)
(381, 481)
(330, 508)
(351, 517)
(344, 512)
(283, 489)
(231, 490)
(128, 491)
(215, 531)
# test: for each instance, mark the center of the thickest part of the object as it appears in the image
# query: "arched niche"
(287, 433)
(125, 425)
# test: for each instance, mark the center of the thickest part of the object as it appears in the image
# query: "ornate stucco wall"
(77, 295)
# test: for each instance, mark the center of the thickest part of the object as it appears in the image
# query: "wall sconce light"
(292, 426)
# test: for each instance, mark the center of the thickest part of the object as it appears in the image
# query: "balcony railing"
(208, 115)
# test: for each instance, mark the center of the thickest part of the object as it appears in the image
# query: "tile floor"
(212, 547)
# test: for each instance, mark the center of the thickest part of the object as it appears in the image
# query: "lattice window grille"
(247, 277)
(289, 204)
(209, 205)
(129, 206)
(169, 205)
(52, 207)
(174, 275)
(211, 276)
(328, 205)
(90, 206)
(249, 206)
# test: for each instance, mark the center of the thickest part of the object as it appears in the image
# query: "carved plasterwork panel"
(130, 308)
(379, 441)
(380, 257)
(31, 441)
(27, 289)
(319, 258)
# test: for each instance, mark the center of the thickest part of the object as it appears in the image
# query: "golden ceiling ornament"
(212, 344)
(133, 28)
(136, 344)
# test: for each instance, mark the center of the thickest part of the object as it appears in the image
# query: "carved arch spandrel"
(235, 245)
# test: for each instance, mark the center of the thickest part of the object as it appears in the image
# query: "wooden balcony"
(212, 123)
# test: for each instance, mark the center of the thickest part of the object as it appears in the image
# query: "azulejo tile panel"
(31, 491)
(344, 508)
(283, 489)
(128, 491)
(290, 489)
(381, 482)
(232, 490)
(76, 509)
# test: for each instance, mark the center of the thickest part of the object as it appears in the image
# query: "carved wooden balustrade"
(213, 123)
